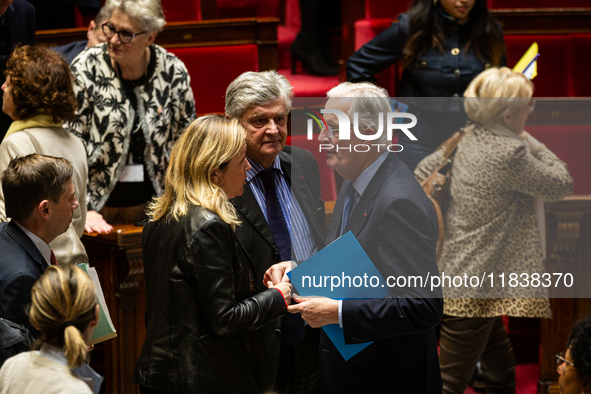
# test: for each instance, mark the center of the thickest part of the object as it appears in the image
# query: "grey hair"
(370, 101)
(252, 89)
(104, 14)
(148, 13)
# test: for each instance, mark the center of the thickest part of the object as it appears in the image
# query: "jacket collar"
(363, 209)
(25, 242)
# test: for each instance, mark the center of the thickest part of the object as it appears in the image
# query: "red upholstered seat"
(571, 144)
(327, 177)
(213, 68)
(580, 77)
(177, 11)
(553, 63)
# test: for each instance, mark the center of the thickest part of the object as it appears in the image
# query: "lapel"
(303, 190)
(248, 207)
(364, 206)
(25, 242)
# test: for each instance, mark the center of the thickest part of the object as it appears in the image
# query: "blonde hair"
(63, 302)
(510, 89)
(208, 144)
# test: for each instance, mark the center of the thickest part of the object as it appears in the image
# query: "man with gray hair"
(282, 216)
(388, 212)
(94, 36)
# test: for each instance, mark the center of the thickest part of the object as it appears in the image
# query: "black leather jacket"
(204, 311)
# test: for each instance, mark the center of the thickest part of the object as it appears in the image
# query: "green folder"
(105, 329)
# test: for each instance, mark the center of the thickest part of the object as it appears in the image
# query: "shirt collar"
(360, 183)
(502, 131)
(84, 371)
(255, 168)
(43, 247)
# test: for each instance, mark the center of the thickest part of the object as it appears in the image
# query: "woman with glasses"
(494, 225)
(134, 101)
(574, 366)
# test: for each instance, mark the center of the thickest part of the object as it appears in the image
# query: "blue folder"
(351, 275)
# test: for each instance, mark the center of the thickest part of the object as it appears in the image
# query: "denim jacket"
(434, 74)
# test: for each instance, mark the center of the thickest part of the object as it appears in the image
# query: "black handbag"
(14, 339)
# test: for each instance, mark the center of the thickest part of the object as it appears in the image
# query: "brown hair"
(40, 82)
(64, 294)
(30, 179)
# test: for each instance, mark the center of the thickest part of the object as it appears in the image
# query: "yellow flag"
(528, 64)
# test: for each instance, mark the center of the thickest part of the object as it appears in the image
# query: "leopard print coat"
(490, 223)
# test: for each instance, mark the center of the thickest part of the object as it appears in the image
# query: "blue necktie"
(348, 206)
(293, 326)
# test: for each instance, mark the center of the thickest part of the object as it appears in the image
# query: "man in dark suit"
(17, 26)
(39, 196)
(388, 212)
(276, 226)
(94, 34)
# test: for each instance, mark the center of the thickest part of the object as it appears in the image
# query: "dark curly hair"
(579, 343)
(40, 81)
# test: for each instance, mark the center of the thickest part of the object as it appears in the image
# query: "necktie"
(348, 206)
(53, 259)
(275, 217)
(293, 325)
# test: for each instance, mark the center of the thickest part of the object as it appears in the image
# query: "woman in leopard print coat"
(500, 176)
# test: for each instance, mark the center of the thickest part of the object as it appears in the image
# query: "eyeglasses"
(330, 132)
(532, 104)
(561, 362)
(125, 36)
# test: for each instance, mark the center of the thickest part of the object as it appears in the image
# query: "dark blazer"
(203, 309)
(396, 225)
(21, 30)
(301, 172)
(434, 74)
(71, 50)
(21, 23)
(21, 264)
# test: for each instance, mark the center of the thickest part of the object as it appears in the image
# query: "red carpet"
(526, 379)
(305, 85)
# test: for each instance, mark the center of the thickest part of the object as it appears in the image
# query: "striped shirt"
(299, 230)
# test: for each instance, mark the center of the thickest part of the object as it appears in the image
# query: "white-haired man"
(388, 212)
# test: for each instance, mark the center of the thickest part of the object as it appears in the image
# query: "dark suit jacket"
(71, 50)
(21, 30)
(301, 172)
(396, 225)
(21, 264)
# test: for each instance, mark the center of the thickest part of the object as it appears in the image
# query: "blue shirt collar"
(255, 167)
(360, 183)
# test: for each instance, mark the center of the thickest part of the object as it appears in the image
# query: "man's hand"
(317, 312)
(96, 224)
(277, 273)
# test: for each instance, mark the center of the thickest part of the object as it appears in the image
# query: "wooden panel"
(544, 21)
(259, 31)
(117, 258)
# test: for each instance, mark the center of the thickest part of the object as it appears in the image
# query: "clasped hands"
(316, 311)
